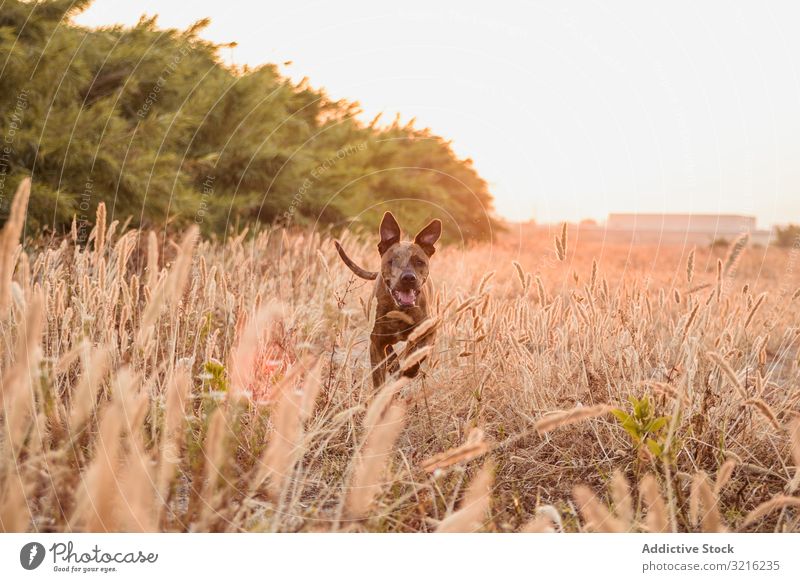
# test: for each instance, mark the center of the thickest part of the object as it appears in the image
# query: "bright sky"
(568, 111)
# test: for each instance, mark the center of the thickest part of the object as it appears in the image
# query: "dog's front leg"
(391, 360)
(412, 371)
(377, 359)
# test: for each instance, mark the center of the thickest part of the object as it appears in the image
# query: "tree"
(788, 236)
(150, 121)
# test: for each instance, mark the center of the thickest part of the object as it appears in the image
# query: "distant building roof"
(679, 216)
(707, 223)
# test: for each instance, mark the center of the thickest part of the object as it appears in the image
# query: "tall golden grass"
(151, 384)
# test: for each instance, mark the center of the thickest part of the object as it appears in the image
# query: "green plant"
(642, 425)
(215, 376)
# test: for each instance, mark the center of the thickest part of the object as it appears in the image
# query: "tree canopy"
(153, 123)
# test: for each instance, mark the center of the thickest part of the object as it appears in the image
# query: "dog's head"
(404, 264)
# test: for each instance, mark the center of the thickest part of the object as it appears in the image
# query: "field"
(152, 384)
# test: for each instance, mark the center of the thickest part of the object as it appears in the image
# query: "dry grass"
(196, 386)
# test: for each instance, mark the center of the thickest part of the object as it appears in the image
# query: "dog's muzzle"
(406, 293)
(405, 297)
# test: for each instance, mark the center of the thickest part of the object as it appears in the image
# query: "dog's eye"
(417, 262)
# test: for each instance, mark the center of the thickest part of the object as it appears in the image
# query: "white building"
(696, 228)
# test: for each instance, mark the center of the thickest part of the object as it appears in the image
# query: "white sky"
(569, 111)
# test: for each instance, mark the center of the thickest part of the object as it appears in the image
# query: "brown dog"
(402, 301)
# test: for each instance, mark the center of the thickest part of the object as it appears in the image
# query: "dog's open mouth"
(405, 297)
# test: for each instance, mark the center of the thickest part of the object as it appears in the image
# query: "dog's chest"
(394, 324)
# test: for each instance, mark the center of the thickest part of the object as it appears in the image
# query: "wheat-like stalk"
(656, 520)
(9, 239)
(724, 475)
(596, 515)
(284, 444)
(540, 290)
(474, 447)
(794, 440)
(372, 459)
(100, 498)
(484, 282)
(520, 275)
(764, 409)
(177, 400)
(139, 511)
(243, 357)
(100, 232)
(777, 502)
(561, 243)
(414, 358)
(167, 389)
(421, 332)
(704, 499)
(690, 267)
(621, 494)
(754, 309)
(84, 397)
(152, 260)
(475, 505)
(735, 252)
(726, 369)
(547, 520)
(558, 419)
(171, 289)
(17, 404)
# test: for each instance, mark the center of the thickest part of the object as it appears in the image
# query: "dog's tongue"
(406, 297)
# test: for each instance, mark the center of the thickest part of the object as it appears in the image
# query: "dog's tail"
(353, 267)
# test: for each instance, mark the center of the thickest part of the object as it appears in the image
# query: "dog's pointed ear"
(428, 236)
(390, 232)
